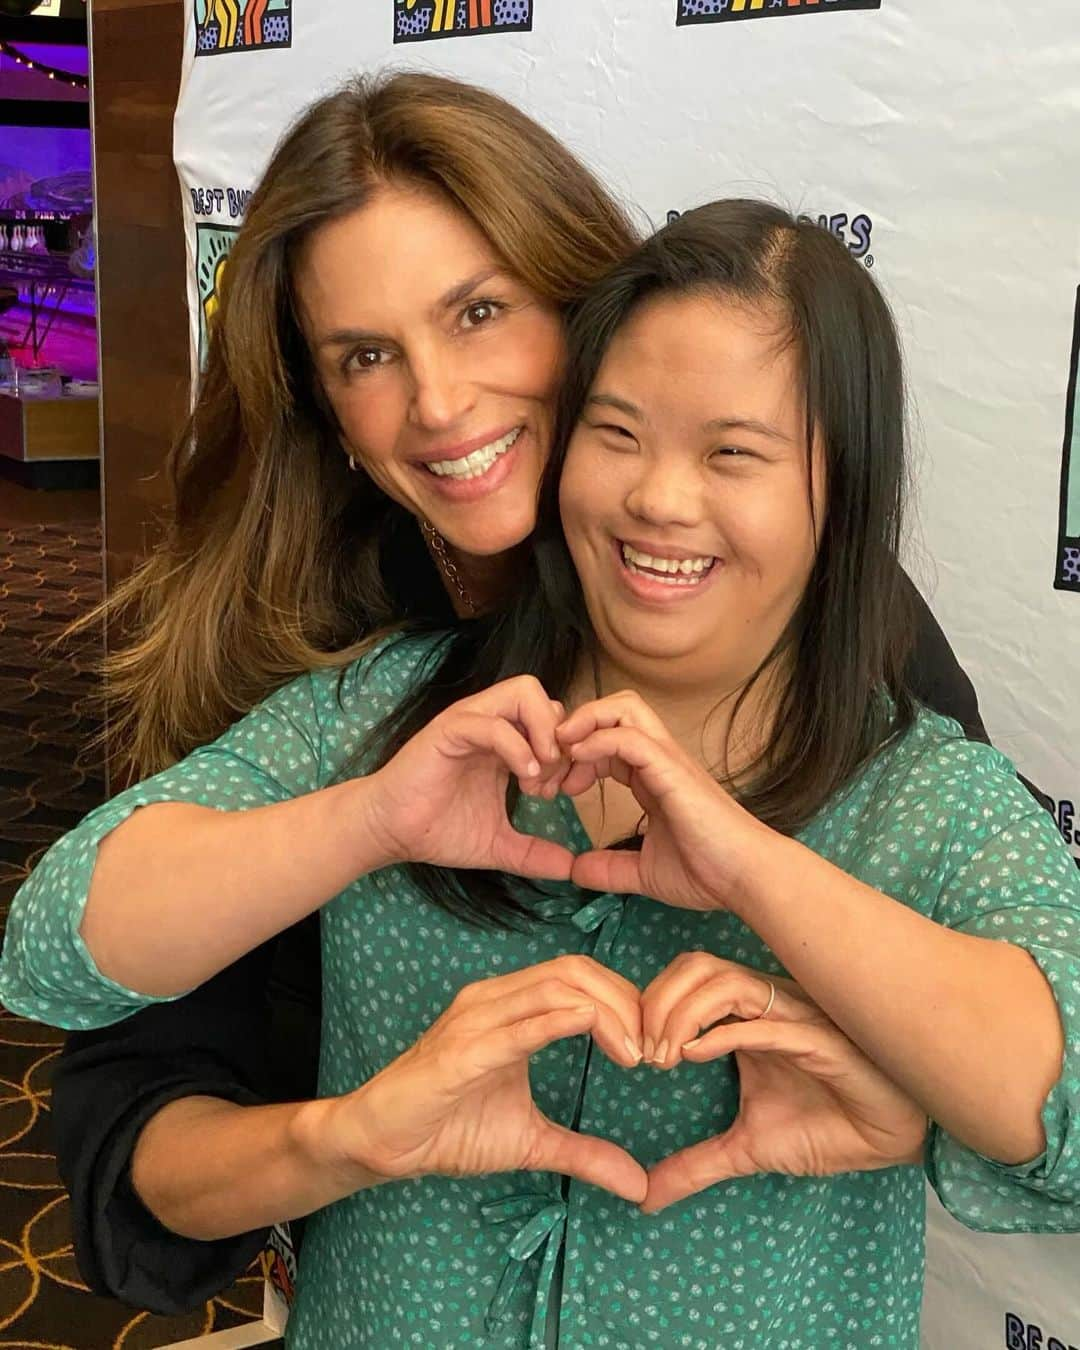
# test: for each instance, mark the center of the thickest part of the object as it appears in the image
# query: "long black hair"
(847, 643)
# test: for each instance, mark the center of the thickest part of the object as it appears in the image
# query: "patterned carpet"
(48, 575)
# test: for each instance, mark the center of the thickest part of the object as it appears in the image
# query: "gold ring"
(768, 1006)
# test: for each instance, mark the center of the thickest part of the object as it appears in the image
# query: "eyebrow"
(348, 337)
(746, 424)
(720, 424)
(619, 404)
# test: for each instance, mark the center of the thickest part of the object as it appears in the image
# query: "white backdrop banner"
(940, 142)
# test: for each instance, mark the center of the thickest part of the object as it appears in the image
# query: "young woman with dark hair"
(736, 846)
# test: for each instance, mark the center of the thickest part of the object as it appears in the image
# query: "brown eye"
(367, 358)
(480, 312)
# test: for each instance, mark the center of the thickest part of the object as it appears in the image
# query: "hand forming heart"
(459, 1102)
(810, 1102)
(699, 844)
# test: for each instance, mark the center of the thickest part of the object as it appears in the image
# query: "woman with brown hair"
(393, 305)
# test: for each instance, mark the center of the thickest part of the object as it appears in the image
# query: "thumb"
(587, 1158)
(615, 870)
(696, 1168)
(527, 856)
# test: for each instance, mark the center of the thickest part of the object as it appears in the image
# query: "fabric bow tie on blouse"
(601, 916)
(543, 1221)
(542, 1215)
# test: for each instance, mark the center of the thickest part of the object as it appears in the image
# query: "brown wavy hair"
(270, 564)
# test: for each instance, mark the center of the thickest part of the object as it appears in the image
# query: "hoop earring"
(353, 466)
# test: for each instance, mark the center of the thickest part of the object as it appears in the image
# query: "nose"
(444, 392)
(666, 491)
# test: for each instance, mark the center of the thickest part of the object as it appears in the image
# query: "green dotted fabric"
(526, 1259)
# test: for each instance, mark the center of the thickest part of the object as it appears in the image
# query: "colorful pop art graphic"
(241, 25)
(418, 20)
(212, 245)
(719, 11)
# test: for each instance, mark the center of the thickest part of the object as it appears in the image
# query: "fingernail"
(689, 1045)
(632, 1049)
(649, 1048)
(661, 1053)
(532, 769)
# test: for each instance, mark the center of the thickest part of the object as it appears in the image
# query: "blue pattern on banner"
(717, 11)
(241, 25)
(418, 20)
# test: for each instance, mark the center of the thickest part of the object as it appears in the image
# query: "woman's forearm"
(967, 1026)
(210, 1169)
(180, 891)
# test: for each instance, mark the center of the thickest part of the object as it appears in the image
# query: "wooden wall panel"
(136, 56)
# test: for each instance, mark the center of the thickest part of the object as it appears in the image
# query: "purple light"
(71, 60)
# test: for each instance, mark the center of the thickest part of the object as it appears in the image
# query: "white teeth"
(472, 466)
(668, 571)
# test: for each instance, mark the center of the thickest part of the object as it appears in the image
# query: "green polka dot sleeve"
(303, 737)
(46, 971)
(1020, 885)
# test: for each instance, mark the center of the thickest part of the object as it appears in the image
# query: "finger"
(626, 709)
(696, 1168)
(579, 778)
(634, 758)
(819, 1049)
(526, 855)
(538, 719)
(523, 1006)
(614, 870)
(508, 1044)
(735, 992)
(618, 1026)
(553, 779)
(687, 973)
(485, 732)
(596, 1161)
(517, 1040)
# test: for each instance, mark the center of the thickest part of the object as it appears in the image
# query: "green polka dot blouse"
(527, 1259)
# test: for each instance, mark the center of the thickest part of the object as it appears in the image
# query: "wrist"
(326, 1147)
(365, 841)
(766, 865)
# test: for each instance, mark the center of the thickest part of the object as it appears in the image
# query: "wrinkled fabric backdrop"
(940, 142)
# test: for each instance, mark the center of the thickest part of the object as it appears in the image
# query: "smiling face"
(685, 496)
(440, 366)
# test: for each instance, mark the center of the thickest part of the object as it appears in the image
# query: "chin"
(490, 544)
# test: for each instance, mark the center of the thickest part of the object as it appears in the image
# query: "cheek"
(575, 504)
(532, 365)
(371, 419)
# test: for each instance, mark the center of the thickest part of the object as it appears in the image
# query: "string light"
(64, 76)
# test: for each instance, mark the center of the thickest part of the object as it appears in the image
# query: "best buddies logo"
(854, 231)
(418, 20)
(719, 11)
(1023, 1335)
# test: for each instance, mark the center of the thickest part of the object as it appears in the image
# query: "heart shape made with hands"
(811, 1104)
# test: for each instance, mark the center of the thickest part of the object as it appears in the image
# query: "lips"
(684, 570)
(477, 462)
